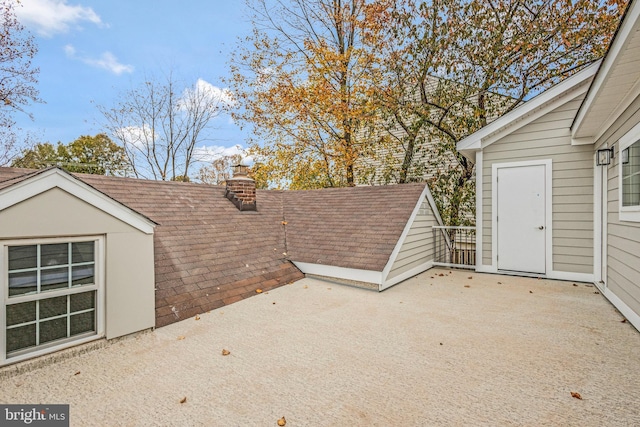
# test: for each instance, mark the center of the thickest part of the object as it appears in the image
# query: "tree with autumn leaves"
(305, 80)
(18, 77)
(453, 66)
(328, 84)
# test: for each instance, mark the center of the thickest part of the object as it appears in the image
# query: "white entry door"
(521, 218)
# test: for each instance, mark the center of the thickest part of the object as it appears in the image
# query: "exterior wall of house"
(129, 270)
(418, 247)
(549, 137)
(623, 237)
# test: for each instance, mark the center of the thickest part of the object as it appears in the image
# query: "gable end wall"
(549, 137)
(418, 247)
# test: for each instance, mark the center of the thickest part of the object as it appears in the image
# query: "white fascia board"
(628, 26)
(57, 178)
(479, 217)
(407, 275)
(426, 194)
(358, 275)
(530, 110)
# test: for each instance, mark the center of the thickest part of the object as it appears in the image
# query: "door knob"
(541, 227)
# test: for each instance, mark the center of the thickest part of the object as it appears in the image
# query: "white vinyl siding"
(623, 237)
(549, 137)
(418, 246)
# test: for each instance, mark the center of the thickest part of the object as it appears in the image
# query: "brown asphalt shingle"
(348, 227)
(209, 254)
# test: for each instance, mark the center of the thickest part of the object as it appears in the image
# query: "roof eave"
(630, 23)
(54, 177)
(525, 113)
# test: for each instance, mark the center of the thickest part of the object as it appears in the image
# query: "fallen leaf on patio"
(225, 352)
(197, 317)
(258, 291)
(440, 274)
(623, 321)
(184, 399)
(273, 303)
(597, 293)
(440, 343)
(282, 422)
(470, 277)
(530, 292)
(499, 283)
(575, 284)
(467, 286)
(432, 277)
(181, 337)
(284, 222)
(576, 395)
(77, 373)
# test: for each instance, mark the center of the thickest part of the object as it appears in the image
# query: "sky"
(91, 51)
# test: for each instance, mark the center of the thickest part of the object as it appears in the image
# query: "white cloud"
(50, 17)
(106, 61)
(213, 152)
(212, 95)
(137, 136)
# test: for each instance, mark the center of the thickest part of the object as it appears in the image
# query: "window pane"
(21, 313)
(53, 307)
(631, 177)
(55, 278)
(57, 254)
(82, 252)
(21, 337)
(84, 322)
(83, 301)
(82, 275)
(23, 283)
(52, 330)
(21, 257)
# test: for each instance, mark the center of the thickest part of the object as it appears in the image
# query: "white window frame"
(98, 287)
(627, 213)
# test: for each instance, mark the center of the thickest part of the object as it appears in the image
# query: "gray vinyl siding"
(549, 137)
(623, 237)
(418, 246)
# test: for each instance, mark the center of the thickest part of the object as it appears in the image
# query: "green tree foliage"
(88, 154)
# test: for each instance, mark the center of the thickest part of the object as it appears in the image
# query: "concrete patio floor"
(444, 348)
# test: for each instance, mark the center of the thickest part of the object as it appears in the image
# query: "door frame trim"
(548, 164)
(600, 221)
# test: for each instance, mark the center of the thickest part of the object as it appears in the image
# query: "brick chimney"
(241, 189)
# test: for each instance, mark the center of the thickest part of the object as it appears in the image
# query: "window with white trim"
(630, 161)
(50, 294)
(629, 175)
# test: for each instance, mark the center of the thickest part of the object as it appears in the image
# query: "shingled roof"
(354, 227)
(209, 254)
